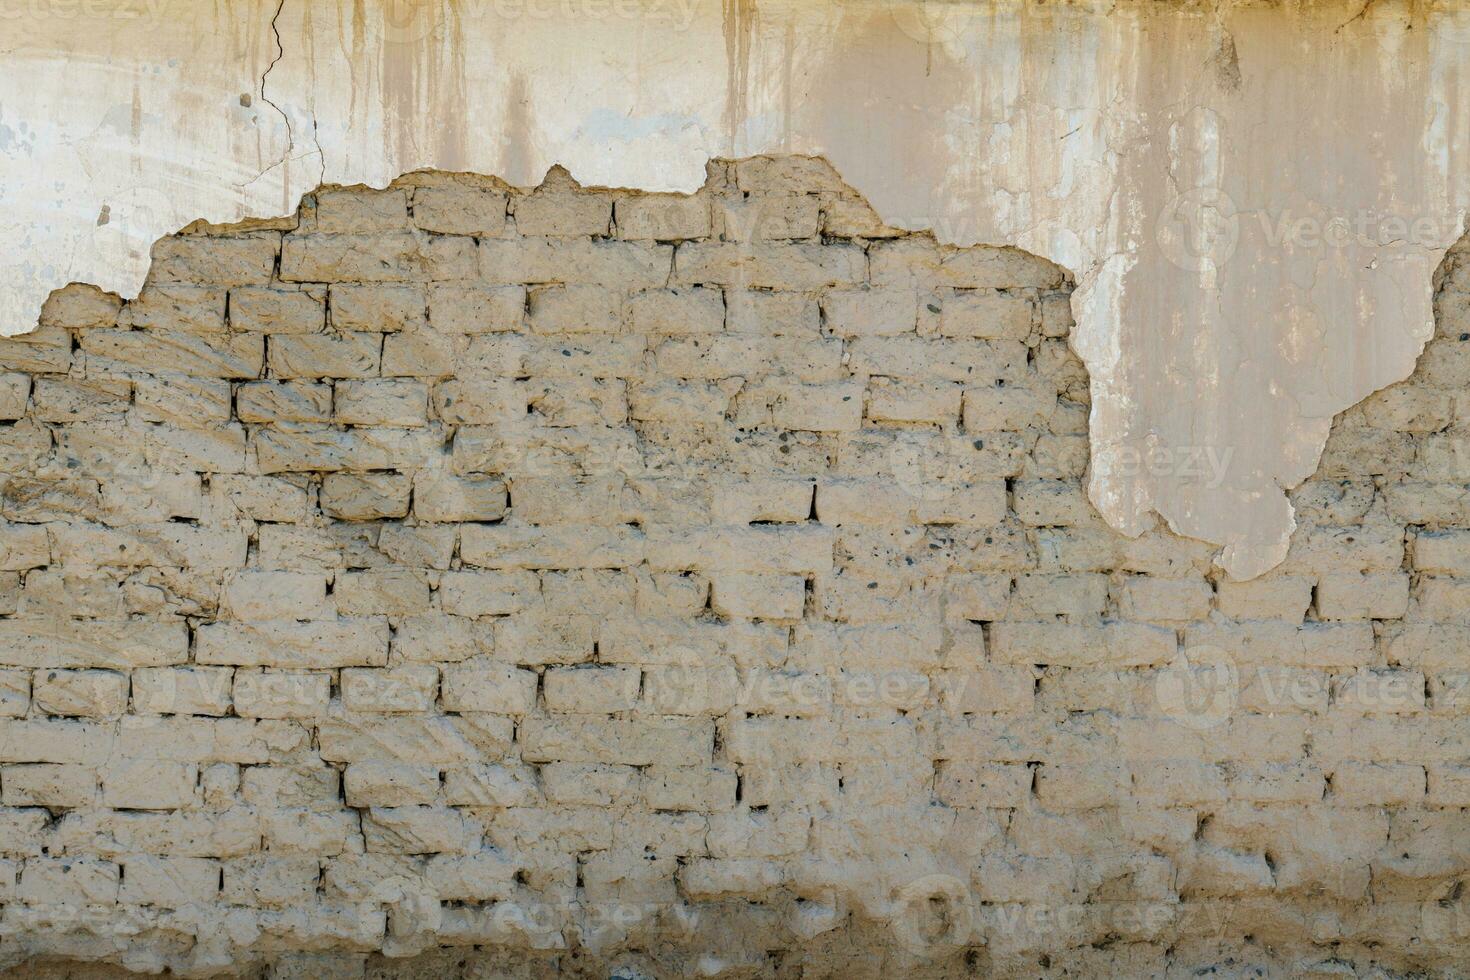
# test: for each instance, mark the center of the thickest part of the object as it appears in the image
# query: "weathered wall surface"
(648, 585)
(1252, 198)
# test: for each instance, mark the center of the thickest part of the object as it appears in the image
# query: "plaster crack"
(264, 78)
(1356, 17)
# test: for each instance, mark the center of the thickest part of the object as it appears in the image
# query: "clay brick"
(592, 690)
(373, 783)
(771, 313)
(575, 309)
(142, 784)
(361, 209)
(283, 401)
(192, 402)
(476, 211)
(80, 693)
(386, 401)
(1011, 408)
(45, 350)
(349, 355)
(662, 217)
(177, 307)
(1165, 600)
(485, 685)
(68, 882)
(321, 645)
(693, 402)
(280, 694)
(995, 314)
(306, 449)
(1353, 596)
(73, 400)
(182, 690)
(122, 644)
(55, 786)
(236, 261)
(1120, 644)
(366, 496)
(676, 311)
(15, 391)
(983, 786)
(485, 593)
(239, 356)
(625, 265)
(380, 309)
(276, 595)
(895, 401)
(562, 211)
(264, 310)
(819, 408)
(168, 882)
(403, 257)
(1377, 784)
(630, 742)
(80, 306)
(15, 693)
(767, 217)
(516, 546)
(403, 689)
(743, 595)
(916, 261)
(1275, 597)
(776, 265)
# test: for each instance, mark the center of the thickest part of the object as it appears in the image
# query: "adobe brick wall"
(601, 583)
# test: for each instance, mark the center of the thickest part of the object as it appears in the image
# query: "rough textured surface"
(632, 585)
(1252, 196)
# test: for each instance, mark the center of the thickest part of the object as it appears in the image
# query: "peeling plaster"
(1166, 155)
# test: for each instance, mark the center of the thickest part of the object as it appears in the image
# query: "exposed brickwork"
(690, 586)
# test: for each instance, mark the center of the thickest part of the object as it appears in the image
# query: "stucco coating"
(1252, 199)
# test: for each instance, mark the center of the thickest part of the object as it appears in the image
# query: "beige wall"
(594, 583)
(1252, 200)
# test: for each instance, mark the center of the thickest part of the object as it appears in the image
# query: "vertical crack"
(280, 53)
(290, 130)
